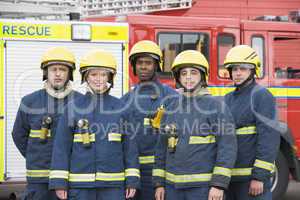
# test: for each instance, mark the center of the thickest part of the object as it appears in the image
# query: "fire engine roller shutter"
(23, 76)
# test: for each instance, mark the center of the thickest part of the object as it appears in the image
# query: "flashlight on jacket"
(155, 122)
(172, 135)
(83, 125)
(46, 122)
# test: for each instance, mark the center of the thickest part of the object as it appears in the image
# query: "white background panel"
(23, 76)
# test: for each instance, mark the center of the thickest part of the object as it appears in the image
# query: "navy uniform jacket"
(27, 128)
(142, 103)
(111, 159)
(254, 111)
(206, 147)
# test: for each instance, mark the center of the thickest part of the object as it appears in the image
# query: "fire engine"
(277, 42)
(278, 45)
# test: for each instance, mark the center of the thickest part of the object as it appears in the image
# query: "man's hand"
(215, 194)
(160, 193)
(256, 188)
(130, 192)
(61, 194)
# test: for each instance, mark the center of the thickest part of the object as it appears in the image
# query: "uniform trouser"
(195, 193)
(39, 191)
(113, 193)
(147, 191)
(240, 191)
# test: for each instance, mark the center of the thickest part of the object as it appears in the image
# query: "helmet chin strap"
(246, 82)
(153, 77)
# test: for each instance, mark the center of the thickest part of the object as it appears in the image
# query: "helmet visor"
(68, 64)
(240, 65)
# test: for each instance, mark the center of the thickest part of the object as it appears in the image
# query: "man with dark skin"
(143, 101)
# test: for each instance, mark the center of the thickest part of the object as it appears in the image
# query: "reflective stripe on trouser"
(37, 191)
(194, 193)
(239, 191)
(111, 193)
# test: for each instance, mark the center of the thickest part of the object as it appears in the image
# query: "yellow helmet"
(145, 47)
(58, 55)
(243, 54)
(191, 58)
(98, 59)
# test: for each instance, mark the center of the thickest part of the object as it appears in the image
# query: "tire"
(280, 180)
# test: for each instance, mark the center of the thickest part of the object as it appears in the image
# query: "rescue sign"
(61, 31)
(35, 30)
(26, 30)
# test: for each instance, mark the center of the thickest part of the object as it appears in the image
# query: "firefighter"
(37, 117)
(254, 111)
(143, 101)
(197, 145)
(94, 157)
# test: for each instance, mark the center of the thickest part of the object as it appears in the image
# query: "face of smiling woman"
(97, 79)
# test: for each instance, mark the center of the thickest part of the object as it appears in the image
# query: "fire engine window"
(190, 41)
(258, 45)
(287, 58)
(225, 43)
(172, 44)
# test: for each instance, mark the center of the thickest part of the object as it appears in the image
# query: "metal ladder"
(61, 9)
(96, 8)
(38, 9)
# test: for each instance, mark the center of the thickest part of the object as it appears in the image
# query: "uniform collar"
(246, 88)
(150, 87)
(58, 94)
(201, 91)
